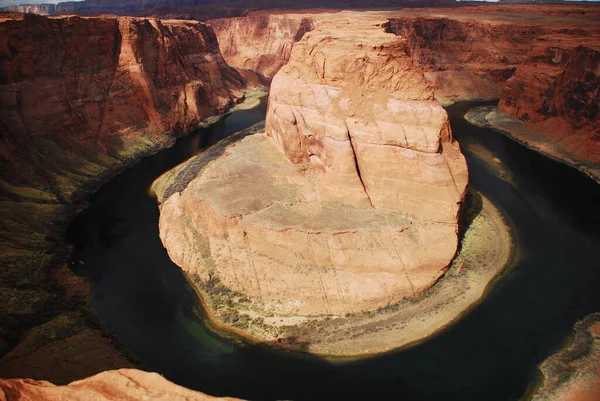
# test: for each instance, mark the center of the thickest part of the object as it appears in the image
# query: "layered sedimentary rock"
(261, 42)
(123, 384)
(465, 52)
(552, 102)
(93, 82)
(469, 52)
(350, 201)
(80, 99)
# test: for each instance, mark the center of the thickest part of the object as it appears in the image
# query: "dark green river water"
(490, 354)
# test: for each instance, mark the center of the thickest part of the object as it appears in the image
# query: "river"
(491, 354)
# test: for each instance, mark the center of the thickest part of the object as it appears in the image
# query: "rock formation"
(469, 52)
(123, 384)
(80, 99)
(466, 53)
(348, 204)
(552, 102)
(261, 42)
(573, 373)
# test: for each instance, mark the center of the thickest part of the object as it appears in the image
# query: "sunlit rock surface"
(123, 384)
(81, 99)
(350, 201)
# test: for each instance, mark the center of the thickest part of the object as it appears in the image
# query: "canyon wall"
(466, 53)
(469, 53)
(465, 60)
(552, 101)
(80, 99)
(560, 78)
(260, 42)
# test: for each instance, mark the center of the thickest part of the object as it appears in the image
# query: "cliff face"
(551, 102)
(93, 82)
(81, 98)
(559, 78)
(357, 163)
(465, 60)
(115, 385)
(465, 52)
(261, 42)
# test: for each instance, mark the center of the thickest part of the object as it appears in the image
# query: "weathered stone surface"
(93, 81)
(261, 42)
(123, 384)
(348, 204)
(80, 99)
(552, 102)
(469, 52)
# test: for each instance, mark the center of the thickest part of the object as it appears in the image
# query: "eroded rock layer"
(80, 99)
(350, 201)
(553, 100)
(469, 52)
(261, 42)
(123, 384)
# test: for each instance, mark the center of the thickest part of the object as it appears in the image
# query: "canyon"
(74, 114)
(356, 161)
(81, 99)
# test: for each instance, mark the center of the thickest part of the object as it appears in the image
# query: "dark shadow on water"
(490, 354)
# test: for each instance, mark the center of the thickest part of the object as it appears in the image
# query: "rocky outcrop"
(560, 78)
(351, 199)
(123, 384)
(260, 42)
(80, 99)
(552, 102)
(99, 82)
(573, 373)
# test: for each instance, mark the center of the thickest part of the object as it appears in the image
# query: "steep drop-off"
(80, 99)
(553, 101)
(351, 197)
(469, 53)
(261, 42)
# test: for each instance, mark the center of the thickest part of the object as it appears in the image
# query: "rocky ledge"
(123, 384)
(347, 204)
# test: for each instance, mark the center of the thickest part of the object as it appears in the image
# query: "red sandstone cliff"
(554, 100)
(80, 98)
(469, 53)
(465, 52)
(90, 83)
(261, 42)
